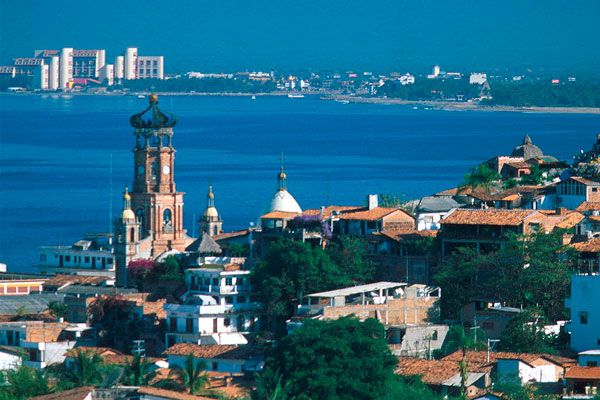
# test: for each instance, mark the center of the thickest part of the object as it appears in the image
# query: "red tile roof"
(490, 216)
(220, 351)
(579, 372)
(591, 246)
(480, 357)
(374, 214)
(280, 215)
(329, 210)
(229, 235)
(589, 206)
(169, 394)
(73, 394)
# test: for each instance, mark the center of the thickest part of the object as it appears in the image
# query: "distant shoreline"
(434, 105)
(455, 106)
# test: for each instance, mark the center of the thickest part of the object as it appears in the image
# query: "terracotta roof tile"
(229, 235)
(329, 210)
(44, 332)
(227, 352)
(490, 216)
(412, 234)
(375, 214)
(169, 394)
(591, 246)
(589, 206)
(579, 372)
(480, 357)
(432, 372)
(73, 394)
(280, 215)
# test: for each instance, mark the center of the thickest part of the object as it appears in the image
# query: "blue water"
(55, 156)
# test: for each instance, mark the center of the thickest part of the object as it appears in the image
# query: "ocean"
(64, 162)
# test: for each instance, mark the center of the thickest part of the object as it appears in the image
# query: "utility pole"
(138, 347)
(490, 344)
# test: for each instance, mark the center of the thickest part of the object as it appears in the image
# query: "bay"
(57, 154)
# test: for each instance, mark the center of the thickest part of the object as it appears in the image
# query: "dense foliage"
(528, 272)
(525, 333)
(23, 383)
(111, 315)
(546, 94)
(330, 360)
(292, 269)
(431, 90)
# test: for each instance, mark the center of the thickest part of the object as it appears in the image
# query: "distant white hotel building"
(218, 306)
(133, 66)
(477, 78)
(407, 79)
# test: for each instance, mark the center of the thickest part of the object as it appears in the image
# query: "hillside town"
(488, 290)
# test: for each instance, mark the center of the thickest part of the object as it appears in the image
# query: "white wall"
(509, 370)
(130, 63)
(65, 67)
(9, 361)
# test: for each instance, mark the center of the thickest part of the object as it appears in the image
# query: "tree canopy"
(330, 360)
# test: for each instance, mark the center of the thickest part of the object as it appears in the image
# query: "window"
(594, 189)
(228, 300)
(214, 366)
(167, 215)
(227, 321)
(592, 363)
(371, 224)
(228, 281)
(67, 258)
(42, 257)
(87, 259)
(215, 281)
(434, 335)
(189, 325)
(173, 324)
(109, 260)
(583, 317)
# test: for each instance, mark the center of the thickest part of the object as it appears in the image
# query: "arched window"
(132, 235)
(167, 215)
(216, 230)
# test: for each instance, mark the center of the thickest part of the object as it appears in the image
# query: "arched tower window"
(215, 230)
(132, 235)
(167, 216)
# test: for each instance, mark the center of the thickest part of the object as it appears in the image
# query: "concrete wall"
(395, 312)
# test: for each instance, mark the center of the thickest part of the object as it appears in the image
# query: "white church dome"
(284, 201)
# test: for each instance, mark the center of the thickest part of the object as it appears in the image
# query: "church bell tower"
(157, 204)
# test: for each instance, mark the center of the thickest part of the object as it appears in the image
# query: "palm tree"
(193, 376)
(23, 383)
(459, 339)
(87, 368)
(137, 372)
(481, 176)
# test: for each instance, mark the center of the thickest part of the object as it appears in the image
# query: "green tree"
(58, 309)
(525, 333)
(86, 369)
(331, 360)
(460, 339)
(172, 270)
(410, 388)
(192, 375)
(349, 254)
(536, 177)
(289, 271)
(137, 371)
(23, 383)
(481, 176)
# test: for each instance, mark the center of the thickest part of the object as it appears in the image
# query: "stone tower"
(157, 205)
(210, 222)
(127, 233)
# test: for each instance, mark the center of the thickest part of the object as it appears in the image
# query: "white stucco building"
(218, 307)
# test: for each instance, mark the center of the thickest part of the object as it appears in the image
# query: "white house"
(585, 313)
(527, 368)
(477, 78)
(44, 343)
(218, 307)
(407, 79)
(432, 209)
(219, 358)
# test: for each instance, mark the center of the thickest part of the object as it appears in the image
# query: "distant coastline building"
(477, 78)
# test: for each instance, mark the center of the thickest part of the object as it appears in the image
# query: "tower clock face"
(166, 170)
(141, 170)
